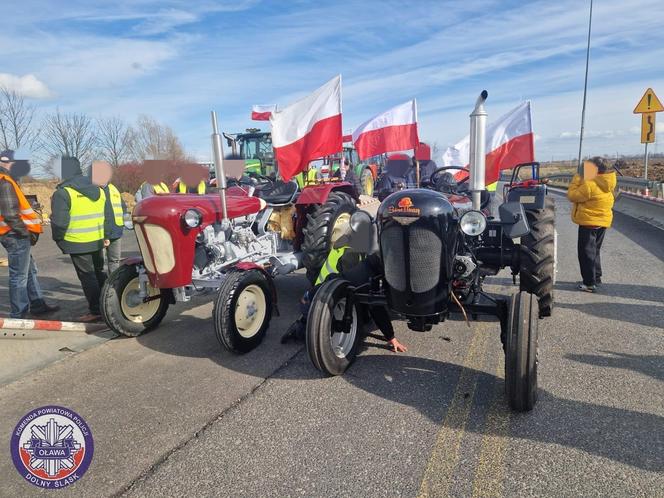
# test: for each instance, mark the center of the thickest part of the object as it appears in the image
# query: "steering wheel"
(260, 178)
(434, 176)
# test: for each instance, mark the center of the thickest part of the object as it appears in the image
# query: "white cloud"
(28, 85)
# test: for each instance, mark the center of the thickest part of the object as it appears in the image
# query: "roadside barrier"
(50, 325)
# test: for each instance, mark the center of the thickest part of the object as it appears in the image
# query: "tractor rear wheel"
(538, 256)
(323, 227)
(521, 353)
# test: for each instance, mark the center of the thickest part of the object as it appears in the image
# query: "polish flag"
(308, 129)
(391, 131)
(262, 112)
(509, 141)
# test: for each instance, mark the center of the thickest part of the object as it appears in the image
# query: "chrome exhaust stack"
(478, 149)
(218, 152)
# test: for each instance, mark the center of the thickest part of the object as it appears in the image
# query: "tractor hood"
(167, 244)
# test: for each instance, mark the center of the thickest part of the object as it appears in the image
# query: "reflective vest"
(116, 202)
(312, 176)
(160, 188)
(491, 187)
(25, 211)
(182, 188)
(330, 266)
(86, 217)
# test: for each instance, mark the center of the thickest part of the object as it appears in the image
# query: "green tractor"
(255, 147)
(367, 171)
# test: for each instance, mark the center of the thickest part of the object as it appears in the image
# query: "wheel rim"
(341, 342)
(368, 184)
(250, 311)
(340, 226)
(133, 307)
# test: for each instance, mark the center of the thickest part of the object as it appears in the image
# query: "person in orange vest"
(20, 227)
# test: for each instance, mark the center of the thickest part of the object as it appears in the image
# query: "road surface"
(173, 415)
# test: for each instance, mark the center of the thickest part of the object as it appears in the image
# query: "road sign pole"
(645, 168)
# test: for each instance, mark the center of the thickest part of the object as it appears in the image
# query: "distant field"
(633, 167)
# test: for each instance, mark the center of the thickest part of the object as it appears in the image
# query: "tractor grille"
(425, 248)
(394, 257)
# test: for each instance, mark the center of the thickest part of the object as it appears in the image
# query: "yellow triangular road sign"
(649, 103)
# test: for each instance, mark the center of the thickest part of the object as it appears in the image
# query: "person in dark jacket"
(81, 226)
(101, 173)
(20, 228)
(345, 173)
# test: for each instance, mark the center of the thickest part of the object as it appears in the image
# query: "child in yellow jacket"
(592, 209)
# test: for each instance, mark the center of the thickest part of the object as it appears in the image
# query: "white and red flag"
(308, 129)
(390, 131)
(509, 141)
(262, 112)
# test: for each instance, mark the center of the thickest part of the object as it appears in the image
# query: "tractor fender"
(318, 194)
(249, 265)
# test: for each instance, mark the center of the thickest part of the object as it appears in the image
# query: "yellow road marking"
(445, 453)
(490, 474)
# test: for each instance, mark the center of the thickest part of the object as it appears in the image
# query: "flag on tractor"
(509, 141)
(390, 131)
(308, 129)
(262, 112)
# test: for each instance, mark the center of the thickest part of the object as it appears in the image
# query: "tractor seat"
(278, 193)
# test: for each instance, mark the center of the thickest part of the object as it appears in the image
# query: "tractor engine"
(217, 248)
(418, 233)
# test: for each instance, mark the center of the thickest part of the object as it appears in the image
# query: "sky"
(177, 60)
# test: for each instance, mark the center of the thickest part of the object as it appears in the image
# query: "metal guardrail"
(625, 184)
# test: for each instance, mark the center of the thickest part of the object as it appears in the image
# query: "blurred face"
(193, 174)
(6, 166)
(102, 172)
(155, 171)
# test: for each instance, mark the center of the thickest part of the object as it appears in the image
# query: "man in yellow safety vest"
(20, 228)
(101, 174)
(81, 226)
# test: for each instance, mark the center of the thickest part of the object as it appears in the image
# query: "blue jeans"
(24, 289)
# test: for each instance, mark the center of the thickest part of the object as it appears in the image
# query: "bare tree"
(114, 138)
(152, 140)
(69, 134)
(16, 120)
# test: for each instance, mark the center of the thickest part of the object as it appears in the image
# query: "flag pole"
(579, 166)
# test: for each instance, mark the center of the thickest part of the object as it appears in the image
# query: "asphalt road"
(173, 415)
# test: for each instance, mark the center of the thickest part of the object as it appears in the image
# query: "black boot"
(296, 331)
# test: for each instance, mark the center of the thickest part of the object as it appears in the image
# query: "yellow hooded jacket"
(592, 200)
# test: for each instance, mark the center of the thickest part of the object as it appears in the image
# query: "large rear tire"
(122, 308)
(322, 228)
(330, 349)
(538, 256)
(521, 353)
(242, 310)
(367, 182)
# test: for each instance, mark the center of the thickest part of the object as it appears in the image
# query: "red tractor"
(232, 243)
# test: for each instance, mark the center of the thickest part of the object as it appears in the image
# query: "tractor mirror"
(513, 219)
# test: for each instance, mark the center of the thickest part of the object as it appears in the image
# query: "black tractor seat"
(278, 193)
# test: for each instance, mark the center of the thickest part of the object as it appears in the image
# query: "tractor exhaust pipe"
(478, 149)
(218, 151)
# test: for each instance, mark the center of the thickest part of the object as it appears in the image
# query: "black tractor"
(436, 249)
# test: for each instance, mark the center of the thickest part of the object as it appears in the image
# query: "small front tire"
(123, 309)
(242, 310)
(521, 352)
(330, 349)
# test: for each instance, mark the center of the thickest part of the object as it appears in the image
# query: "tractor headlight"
(473, 223)
(192, 218)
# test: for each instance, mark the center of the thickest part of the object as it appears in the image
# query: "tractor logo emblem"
(51, 447)
(405, 206)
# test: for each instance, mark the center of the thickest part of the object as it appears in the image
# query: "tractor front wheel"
(242, 310)
(538, 256)
(123, 308)
(521, 353)
(324, 226)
